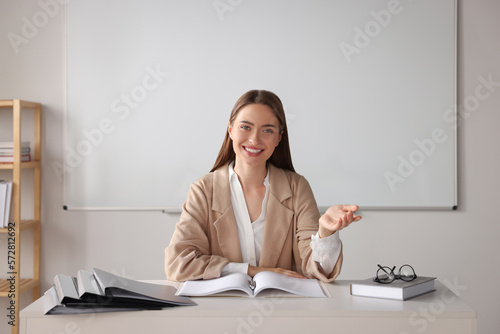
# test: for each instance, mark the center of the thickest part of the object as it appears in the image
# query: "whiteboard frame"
(177, 210)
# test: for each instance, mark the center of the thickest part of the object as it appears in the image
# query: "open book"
(101, 291)
(238, 284)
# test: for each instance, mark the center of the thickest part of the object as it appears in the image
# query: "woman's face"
(255, 133)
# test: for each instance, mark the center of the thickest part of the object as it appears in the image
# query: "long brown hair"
(281, 156)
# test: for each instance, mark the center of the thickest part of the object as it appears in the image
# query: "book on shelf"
(10, 151)
(10, 145)
(8, 159)
(265, 283)
(7, 151)
(398, 289)
(101, 291)
(5, 202)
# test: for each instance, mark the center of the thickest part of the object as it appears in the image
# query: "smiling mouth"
(253, 151)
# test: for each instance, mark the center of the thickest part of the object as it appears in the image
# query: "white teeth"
(252, 151)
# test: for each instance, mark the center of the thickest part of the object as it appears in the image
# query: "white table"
(438, 312)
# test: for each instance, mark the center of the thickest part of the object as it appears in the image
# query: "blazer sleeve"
(188, 256)
(306, 223)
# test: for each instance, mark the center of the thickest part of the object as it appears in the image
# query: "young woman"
(252, 212)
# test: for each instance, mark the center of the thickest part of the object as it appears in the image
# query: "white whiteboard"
(368, 87)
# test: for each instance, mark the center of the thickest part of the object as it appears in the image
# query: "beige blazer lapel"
(278, 218)
(225, 223)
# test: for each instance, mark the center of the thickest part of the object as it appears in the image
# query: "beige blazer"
(206, 237)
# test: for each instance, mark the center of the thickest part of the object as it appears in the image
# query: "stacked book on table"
(5, 202)
(101, 291)
(7, 152)
(398, 290)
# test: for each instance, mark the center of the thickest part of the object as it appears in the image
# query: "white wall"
(456, 246)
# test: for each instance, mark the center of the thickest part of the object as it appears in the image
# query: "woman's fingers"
(338, 217)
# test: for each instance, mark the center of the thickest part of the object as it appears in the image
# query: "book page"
(234, 281)
(298, 286)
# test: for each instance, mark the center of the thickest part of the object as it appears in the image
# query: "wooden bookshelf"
(26, 284)
(14, 288)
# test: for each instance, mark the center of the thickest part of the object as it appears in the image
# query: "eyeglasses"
(386, 275)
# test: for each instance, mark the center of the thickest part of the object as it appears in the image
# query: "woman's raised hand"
(336, 218)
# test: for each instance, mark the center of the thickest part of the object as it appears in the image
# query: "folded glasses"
(386, 275)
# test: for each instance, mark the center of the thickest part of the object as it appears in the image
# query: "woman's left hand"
(336, 218)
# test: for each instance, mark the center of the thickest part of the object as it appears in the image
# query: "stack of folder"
(101, 291)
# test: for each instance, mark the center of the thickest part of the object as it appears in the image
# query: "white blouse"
(325, 251)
